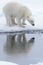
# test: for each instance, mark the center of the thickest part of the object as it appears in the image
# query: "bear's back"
(10, 7)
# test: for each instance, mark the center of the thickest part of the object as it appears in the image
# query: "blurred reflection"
(18, 43)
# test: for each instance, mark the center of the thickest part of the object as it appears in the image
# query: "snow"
(7, 63)
(40, 63)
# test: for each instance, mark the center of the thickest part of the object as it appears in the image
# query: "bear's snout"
(33, 24)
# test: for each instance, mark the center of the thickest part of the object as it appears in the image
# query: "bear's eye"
(27, 16)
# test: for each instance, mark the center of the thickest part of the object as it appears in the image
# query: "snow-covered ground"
(37, 64)
(7, 63)
(36, 7)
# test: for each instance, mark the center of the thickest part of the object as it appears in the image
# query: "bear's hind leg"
(13, 20)
(9, 23)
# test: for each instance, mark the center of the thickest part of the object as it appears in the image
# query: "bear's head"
(31, 21)
(29, 17)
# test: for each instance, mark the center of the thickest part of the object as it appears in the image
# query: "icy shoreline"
(22, 31)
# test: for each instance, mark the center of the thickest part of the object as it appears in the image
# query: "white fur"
(15, 10)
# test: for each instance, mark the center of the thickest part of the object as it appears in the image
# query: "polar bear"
(16, 11)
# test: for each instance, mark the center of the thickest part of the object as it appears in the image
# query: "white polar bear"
(16, 11)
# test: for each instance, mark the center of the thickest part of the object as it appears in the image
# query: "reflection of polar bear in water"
(16, 11)
(18, 43)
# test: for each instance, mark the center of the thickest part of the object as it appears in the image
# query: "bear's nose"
(33, 24)
(33, 38)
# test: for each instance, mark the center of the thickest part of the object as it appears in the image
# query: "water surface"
(22, 49)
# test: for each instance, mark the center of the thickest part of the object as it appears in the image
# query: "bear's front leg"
(23, 21)
(19, 22)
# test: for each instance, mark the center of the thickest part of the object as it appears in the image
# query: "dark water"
(22, 49)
